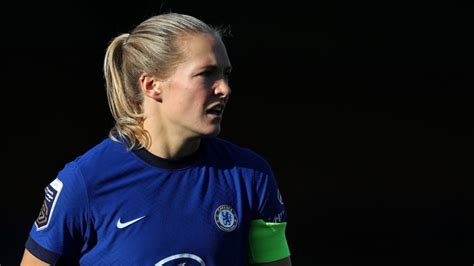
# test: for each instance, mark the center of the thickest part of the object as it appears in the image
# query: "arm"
(65, 217)
(283, 262)
(267, 234)
(30, 260)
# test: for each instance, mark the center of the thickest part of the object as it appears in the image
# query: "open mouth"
(216, 110)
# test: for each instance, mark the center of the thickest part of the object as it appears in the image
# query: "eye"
(206, 73)
(227, 74)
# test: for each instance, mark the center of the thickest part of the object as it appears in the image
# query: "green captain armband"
(267, 242)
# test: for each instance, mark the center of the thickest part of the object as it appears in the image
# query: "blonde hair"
(152, 47)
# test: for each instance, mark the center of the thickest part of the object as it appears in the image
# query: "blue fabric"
(41, 253)
(124, 207)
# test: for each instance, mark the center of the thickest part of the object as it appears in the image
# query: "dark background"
(364, 111)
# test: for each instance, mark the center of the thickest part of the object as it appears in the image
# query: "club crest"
(226, 218)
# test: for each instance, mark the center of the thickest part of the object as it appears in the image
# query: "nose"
(222, 88)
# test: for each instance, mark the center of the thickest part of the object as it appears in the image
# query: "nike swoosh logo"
(121, 225)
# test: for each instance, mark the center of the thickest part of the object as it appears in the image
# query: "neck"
(169, 144)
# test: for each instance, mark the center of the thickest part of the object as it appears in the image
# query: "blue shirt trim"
(40, 252)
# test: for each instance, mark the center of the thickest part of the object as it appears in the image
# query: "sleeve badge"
(51, 195)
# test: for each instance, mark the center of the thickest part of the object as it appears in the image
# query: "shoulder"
(241, 156)
(98, 159)
(107, 148)
(106, 153)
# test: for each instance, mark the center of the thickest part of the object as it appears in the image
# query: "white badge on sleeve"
(51, 195)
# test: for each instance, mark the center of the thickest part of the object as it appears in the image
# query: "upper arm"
(283, 262)
(63, 222)
(267, 237)
(30, 260)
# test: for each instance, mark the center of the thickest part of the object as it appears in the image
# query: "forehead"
(204, 49)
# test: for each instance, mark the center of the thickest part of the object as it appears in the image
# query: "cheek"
(189, 105)
(199, 99)
(190, 98)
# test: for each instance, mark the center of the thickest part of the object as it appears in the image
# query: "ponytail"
(122, 96)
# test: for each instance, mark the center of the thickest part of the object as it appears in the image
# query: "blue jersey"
(112, 206)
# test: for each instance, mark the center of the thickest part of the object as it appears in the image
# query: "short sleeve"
(267, 230)
(63, 222)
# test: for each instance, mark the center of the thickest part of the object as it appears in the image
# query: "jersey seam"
(254, 196)
(86, 191)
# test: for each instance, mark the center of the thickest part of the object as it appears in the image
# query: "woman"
(163, 189)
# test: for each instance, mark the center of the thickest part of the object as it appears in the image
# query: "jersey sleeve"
(62, 224)
(267, 229)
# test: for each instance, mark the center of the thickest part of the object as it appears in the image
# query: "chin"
(212, 132)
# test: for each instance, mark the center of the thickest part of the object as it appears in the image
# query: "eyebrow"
(215, 67)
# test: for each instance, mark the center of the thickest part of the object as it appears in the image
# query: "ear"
(150, 86)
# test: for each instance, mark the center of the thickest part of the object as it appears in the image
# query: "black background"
(364, 111)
